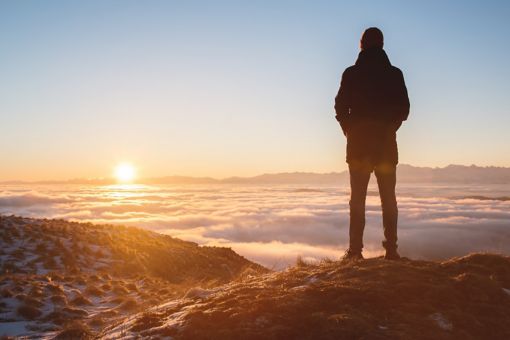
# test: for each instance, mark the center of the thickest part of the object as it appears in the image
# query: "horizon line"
(112, 180)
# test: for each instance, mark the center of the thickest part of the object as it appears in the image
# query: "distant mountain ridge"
(406, 174)
(455, 174)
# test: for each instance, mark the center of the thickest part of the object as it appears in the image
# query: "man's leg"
(386, 179)
(359, 176)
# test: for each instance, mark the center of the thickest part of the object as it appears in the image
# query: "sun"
(125, 172)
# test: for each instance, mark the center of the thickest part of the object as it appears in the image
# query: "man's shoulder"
(348, 72)
(350, 69)
(396, 70)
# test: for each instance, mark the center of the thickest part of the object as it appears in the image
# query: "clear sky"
(222, 88)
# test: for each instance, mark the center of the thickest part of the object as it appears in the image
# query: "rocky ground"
(463, 298)
(57, 275)
(68, 280)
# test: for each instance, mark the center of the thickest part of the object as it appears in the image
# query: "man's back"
(377, 88)
(370, 105)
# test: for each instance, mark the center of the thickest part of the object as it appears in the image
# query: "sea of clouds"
(272, 225)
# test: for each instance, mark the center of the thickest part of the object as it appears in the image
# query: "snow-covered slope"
(54, 272)
(78, 281)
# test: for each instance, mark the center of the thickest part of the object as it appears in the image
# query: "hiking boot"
(392, 254)
(351, 255)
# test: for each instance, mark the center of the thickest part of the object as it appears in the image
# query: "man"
(370, 106)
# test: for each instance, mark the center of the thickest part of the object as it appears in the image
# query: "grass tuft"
(75, 330)
(28, 311)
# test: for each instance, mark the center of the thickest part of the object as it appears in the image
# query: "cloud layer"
(273, 225)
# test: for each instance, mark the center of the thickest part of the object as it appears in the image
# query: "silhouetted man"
(370, 106)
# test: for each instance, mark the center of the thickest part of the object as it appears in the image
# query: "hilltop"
(68, 280)
(56, 271)
(462, 298)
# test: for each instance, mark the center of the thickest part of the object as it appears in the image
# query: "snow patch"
(441, 321)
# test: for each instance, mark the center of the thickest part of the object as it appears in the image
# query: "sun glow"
(125, 172)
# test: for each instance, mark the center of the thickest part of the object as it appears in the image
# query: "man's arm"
(342, 103)
(403, 99)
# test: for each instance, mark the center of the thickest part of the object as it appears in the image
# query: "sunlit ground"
(272, 225)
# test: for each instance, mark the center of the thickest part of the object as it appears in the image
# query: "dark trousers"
(386, 180)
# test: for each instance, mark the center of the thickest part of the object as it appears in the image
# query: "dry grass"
(18, 284)
(6, 293)
(96, 322)
(106, 287)
(131, 287)
(129, 304)
(29, 312)
(146, 321)
(54, 288)
(112, 313)
(80, 300)
(19, 254)
(32, 301)
(163, 291)
(99, 254)
(117, 300)
(120, 290)
(94, 291)
(371, 299)
(68, 278)
(57, 317)
(153, 301)
(75, 312)
(59, 299)
(68, 260)
(80, 280)
(94, 278)
(40, 248)
(36, 291)
(106, 276)
(144, 296)
(6, 238)
(300, 262)
(56, 276)
(9, 267)
(20, 297)
(148, 264)
(75, 330)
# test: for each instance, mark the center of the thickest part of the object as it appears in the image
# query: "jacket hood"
(373, 57)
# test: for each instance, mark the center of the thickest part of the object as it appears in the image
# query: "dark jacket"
(370, 106)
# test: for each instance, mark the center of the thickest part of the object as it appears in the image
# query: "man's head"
(372, 37)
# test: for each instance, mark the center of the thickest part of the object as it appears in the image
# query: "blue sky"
(229, 88)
